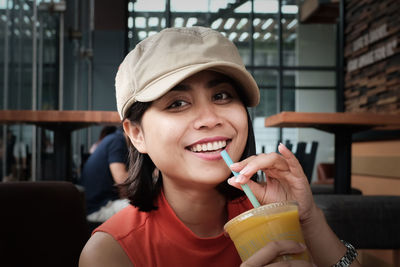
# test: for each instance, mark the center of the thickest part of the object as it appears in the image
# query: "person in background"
(10, 159)
(183, 96)
(20, 155)
(104, 132)
(103, 170)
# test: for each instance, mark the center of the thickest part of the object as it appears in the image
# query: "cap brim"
(164, 83)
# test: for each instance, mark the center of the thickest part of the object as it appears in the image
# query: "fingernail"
(239, 178)
(233, 165)
(244, 170)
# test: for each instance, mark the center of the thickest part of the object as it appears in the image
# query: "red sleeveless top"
(159, 238)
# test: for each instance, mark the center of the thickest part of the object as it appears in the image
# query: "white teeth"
(211, 146)
(198, 147)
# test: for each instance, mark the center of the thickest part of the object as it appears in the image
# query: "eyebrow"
(210, 84)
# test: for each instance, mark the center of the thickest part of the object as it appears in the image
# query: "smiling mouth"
(208, 147)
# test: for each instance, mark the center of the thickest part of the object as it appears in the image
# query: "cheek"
(239, 120)
(161, 134)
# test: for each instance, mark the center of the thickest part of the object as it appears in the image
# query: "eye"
(222, 96)
(178, 104)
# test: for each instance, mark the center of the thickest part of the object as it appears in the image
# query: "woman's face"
(185, 130)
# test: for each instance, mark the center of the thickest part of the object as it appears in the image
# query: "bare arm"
(321, 239)
(119, 172)
(102, 251)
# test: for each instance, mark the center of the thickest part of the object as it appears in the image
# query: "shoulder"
(103, 250)
(124, 229)
(124, 222)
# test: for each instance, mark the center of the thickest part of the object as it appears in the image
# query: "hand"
(266, 255)
(286, 180)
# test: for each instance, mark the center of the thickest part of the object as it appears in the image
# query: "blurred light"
(142, 35)
(178, 22)
(266, 7)
(163, 23)
(256, 21)
(130, 23)
(48, 33)
(267, 36)
(291, 37)
(146, 5)
(232, 36)
(191, 22)
(229, 23)
(187, 6)
(140, 22)
(267, 23)
(152, 33)
(241, 23)
(245, 8)
(256, 35)
(243, 36)
(215, 25)
(153, 22)
(291, 24)
(130, 6)
(290, 9)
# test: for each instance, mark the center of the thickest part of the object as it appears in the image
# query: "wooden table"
(62, 123)
(342, 125)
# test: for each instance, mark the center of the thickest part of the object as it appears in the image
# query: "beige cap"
(163, 60)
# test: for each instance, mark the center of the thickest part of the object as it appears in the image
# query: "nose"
(207, 117)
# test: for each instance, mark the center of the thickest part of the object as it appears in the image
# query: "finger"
(272, 250)
(288, 176)
(291, 159)
(294, 263)
(250, 166)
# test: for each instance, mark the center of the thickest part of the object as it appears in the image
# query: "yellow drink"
(253, 229)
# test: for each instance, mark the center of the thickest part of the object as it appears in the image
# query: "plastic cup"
(255, 228)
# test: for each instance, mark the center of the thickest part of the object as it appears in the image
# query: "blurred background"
(63, 55)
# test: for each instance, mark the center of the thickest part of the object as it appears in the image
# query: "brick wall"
(372, 56)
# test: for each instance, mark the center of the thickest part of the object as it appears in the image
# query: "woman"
(182, 95)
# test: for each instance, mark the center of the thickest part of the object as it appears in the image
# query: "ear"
(135, 135)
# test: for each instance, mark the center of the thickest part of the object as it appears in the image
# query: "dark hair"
(106, 130)
(145, 181)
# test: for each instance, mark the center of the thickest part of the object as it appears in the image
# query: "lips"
(208, 146)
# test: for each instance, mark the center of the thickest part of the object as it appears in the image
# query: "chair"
(306, 160)
(42, 224)
(367, 222)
